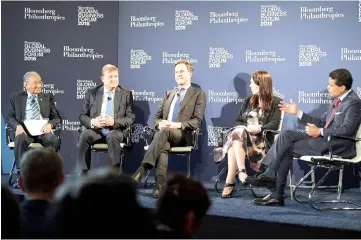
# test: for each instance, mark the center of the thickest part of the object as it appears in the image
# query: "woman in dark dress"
(260, 111)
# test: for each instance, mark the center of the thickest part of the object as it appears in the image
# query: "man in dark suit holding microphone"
(343, 118)
(106, 112)
(180, 113)
(32, 104)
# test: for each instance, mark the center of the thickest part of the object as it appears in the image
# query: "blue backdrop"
(299, 43)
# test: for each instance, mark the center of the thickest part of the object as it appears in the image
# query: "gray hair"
(28, 74)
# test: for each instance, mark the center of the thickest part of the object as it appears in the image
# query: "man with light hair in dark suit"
(180, 113)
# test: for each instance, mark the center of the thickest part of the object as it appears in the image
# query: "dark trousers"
(90, 136)
(288, 145)
(22, 142)
(157, 153)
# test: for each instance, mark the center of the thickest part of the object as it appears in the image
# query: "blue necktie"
(108, 111)
(177, 105)
(34, 106)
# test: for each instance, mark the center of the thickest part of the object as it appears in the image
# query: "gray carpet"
(240, 206)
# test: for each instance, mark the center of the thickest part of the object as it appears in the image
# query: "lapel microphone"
(109, 98)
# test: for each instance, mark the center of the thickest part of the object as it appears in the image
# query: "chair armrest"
(338, 136)
(80, 130)
(57, 130)
(8, 130)
(264, 135)
(195, 135)
(335, 136)
(128, 136)
(148, 134)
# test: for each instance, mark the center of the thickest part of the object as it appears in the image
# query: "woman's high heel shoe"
(244, 182)
(229, 195)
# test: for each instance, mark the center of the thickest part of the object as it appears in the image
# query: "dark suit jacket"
(17, 107)
(33, 218)
(270, 122)
(123, 101)
(345, 122)
(191, 111)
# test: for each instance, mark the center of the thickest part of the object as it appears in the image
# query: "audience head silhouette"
(182, 206)
(100, 205)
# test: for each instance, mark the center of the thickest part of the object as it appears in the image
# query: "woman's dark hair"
(265, 95)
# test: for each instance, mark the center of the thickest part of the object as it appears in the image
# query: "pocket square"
(338, 113)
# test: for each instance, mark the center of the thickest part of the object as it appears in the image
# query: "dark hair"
(40, 170)
(342, 77)
(264, 80)
(99, 205)
(10, 214)
(182, 195)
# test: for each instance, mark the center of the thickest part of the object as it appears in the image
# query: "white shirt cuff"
(300, 114)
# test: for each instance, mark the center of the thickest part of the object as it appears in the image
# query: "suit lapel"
(187, 97)
(23, 99)
(98, 100)
(41, 103)
(339, 108)
(168, 103)
(117, 96)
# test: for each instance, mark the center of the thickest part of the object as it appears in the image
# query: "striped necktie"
(34, 106)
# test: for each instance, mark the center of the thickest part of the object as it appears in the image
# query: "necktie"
(34, 106)
(108, 110)
(332, 114)
(177, 104)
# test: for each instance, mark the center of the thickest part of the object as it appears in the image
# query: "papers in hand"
(34, 126)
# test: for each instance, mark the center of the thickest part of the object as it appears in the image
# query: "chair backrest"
(280, 126)
(357, 158)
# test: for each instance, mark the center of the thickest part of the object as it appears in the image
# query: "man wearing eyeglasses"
(32, 104)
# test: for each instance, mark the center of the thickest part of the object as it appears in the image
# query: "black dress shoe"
(262, 181)
(157, 191)
(269, 201)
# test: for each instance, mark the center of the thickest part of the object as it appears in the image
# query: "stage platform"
(237, 217)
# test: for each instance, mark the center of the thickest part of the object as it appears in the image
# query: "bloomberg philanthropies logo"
(81, 52)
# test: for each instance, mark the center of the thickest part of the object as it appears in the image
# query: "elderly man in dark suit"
(343, 117)
(106, 112)
(32, 104)
(180, 113)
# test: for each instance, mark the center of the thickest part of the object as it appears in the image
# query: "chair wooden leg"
(188, 165)
(11, 173)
